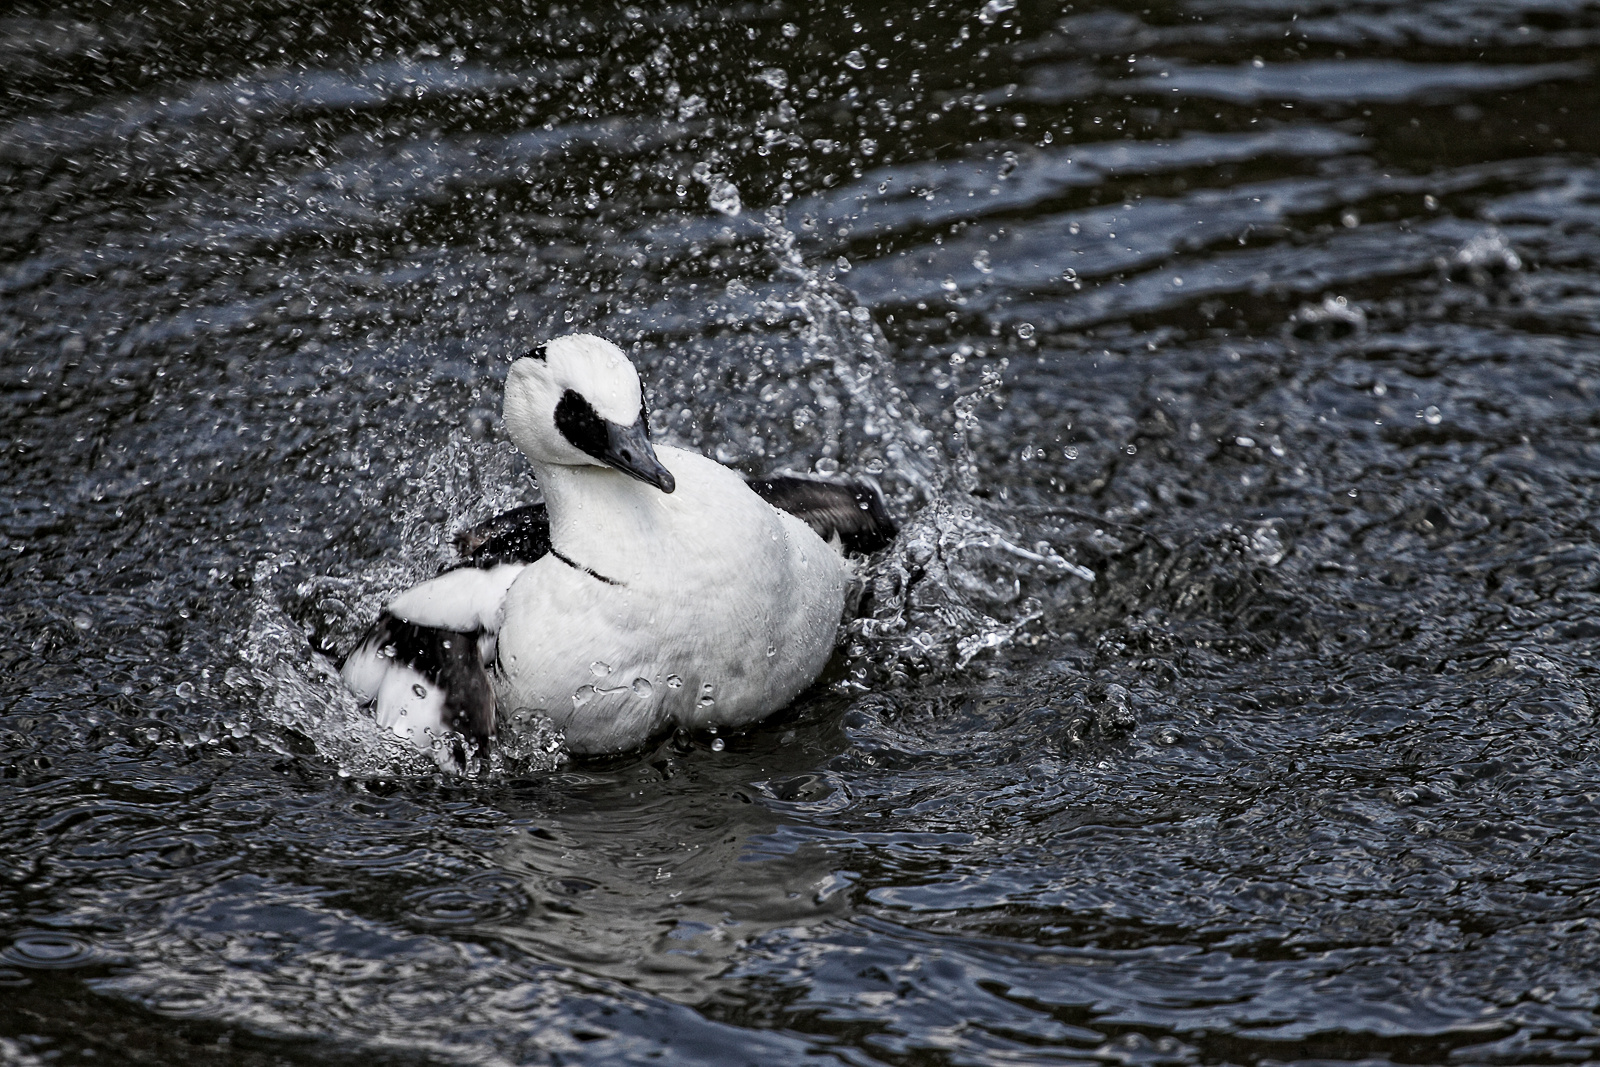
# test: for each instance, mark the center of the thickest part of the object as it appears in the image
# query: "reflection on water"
(1227, 697)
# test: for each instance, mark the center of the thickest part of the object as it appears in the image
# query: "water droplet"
(674, 682)
(724, 197)
(776, 77)
(584, 694)
(1431, 415)
(855, 60)
(599, 668)
(417, 689)
(642, 688)
(994, 9)
(707, 697)
(185, 690)
(843, 264)
(718, 744)
(982, 261)
(772, 650)
(1025, 330)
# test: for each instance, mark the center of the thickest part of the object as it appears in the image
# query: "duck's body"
(652, 589)
(704, 608)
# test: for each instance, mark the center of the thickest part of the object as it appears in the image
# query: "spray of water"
(966, 575)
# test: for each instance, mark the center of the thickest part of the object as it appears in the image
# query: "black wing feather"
(452, 660)
(447, 659)
(852, 511)
(520, 535)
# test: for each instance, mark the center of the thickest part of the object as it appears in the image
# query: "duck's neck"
(599, 516)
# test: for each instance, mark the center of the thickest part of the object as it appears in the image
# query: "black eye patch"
(581, 424)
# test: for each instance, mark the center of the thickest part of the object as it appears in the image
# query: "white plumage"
(662, 592)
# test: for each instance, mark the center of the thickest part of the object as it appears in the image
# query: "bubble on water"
(776, 77)
(1025, 330)
(642, 688)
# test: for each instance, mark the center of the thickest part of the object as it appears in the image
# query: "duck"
(652, 590)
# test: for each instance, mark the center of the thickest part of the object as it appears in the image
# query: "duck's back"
(705, 608)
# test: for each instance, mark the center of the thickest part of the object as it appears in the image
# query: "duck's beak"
(628, 450)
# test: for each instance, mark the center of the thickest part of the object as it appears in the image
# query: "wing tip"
(853, 511)
(430, 686)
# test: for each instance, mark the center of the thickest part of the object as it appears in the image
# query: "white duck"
(653, 588)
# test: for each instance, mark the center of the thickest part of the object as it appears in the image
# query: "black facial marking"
(537, 352)
(581, 424)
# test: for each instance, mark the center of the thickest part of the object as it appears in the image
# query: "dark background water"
(1228, 698)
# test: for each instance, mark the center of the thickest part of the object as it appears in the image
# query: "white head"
(576, 401)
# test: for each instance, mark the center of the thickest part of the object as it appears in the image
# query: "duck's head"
(576, 401)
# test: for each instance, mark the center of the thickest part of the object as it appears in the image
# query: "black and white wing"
(425, 661)
(853, 512)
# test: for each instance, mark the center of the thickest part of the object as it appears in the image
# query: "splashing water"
(956, 583)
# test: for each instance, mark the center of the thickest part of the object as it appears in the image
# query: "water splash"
(302, 698)
(958, 580)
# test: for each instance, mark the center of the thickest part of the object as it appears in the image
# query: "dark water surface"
(1230, 695)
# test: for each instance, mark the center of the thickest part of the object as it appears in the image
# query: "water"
(1228, 697)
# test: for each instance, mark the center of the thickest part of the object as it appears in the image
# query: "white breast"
(723, 610)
